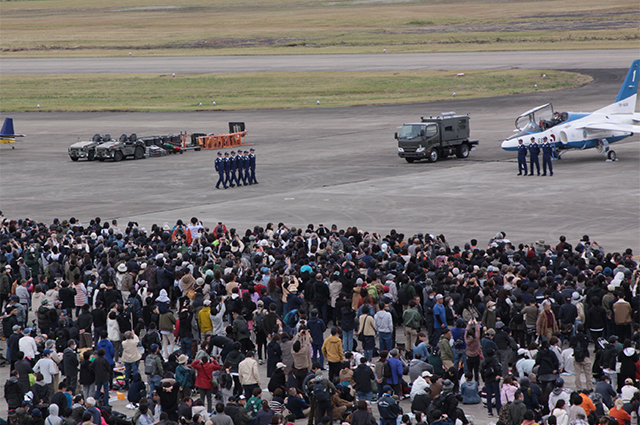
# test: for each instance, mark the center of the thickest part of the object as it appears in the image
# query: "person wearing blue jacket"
(439, 319)
(219, 165)
(534, 153)
(469, 390)
(108, 347)
(316, 330)
(522, 157)
(459, 347)
(395, 381)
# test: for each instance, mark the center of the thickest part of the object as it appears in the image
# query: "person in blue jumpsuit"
(234, 168)
(252, 166)
(227, 170)
(534, 153)
(547, 151)
(245, 163)
(240, 167)
(522, 157)
(219, 164)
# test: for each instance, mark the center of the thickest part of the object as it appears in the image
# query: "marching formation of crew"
(534, 153)
(236, 170)
(201, 310)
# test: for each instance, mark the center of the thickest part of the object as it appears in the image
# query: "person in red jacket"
(204, 373)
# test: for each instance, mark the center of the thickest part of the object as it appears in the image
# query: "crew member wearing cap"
(219, 166)
(252, 166)
(522, 158)
(234, 168)
(246, 178)
(534, 153)
(240, 167)
(227, 170)
(547, 151)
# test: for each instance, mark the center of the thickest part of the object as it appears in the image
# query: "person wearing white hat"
(421, 383)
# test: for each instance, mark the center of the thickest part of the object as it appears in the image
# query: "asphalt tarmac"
(558, 59)
(336, 165)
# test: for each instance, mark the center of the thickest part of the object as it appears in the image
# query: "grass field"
(162, 92)
(205, 27)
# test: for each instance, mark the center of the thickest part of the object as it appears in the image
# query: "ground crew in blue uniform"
(534, 153)
(227, 170)
(252, 166)
(388, 407)
(234, 168)
(547, 151)
(219, 165)
(240, 167)
(522, 157)
(245, 163)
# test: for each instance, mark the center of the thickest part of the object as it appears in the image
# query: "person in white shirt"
(27, 344)
(47, 368)
(524, 365)
(628, 391)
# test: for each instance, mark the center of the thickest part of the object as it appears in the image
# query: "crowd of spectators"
(346, 324)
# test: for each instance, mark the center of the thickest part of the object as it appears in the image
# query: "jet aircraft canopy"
(530, 121)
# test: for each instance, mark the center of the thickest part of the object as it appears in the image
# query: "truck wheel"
(91, 156)
(74, 158)
(139, 153)
(117, 156)
(409, 160)
(434, 155)
(462, 151)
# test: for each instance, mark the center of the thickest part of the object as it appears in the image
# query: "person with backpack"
(581, 361)
(186, 376)
(316, 329)
(393, 371)
(459, 346)
(491, 370)
(204, 381)
(321, 391)
(153, 368)
(241, 331)
(388, 408)
(412, 320)
(406, 294)
(517, 324)
(258, 327)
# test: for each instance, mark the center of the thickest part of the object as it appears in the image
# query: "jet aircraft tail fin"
(626, 101)
(7, 129)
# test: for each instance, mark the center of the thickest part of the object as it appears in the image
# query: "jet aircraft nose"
(510, 144)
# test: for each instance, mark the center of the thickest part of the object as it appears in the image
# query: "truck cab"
(435, 138)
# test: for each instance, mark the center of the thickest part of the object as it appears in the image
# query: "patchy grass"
(161, 27)
(162, 92)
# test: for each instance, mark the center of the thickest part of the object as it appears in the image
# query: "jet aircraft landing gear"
(603, 148)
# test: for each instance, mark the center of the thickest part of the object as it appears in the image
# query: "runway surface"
(559, 59)
(336, 165)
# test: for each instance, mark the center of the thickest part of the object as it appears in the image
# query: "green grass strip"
(163, 92)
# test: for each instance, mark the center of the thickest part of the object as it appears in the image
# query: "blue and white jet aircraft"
(580, 130)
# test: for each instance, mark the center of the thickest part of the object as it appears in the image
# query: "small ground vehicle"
(435, 138)
(118, 150)
(87, 149)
